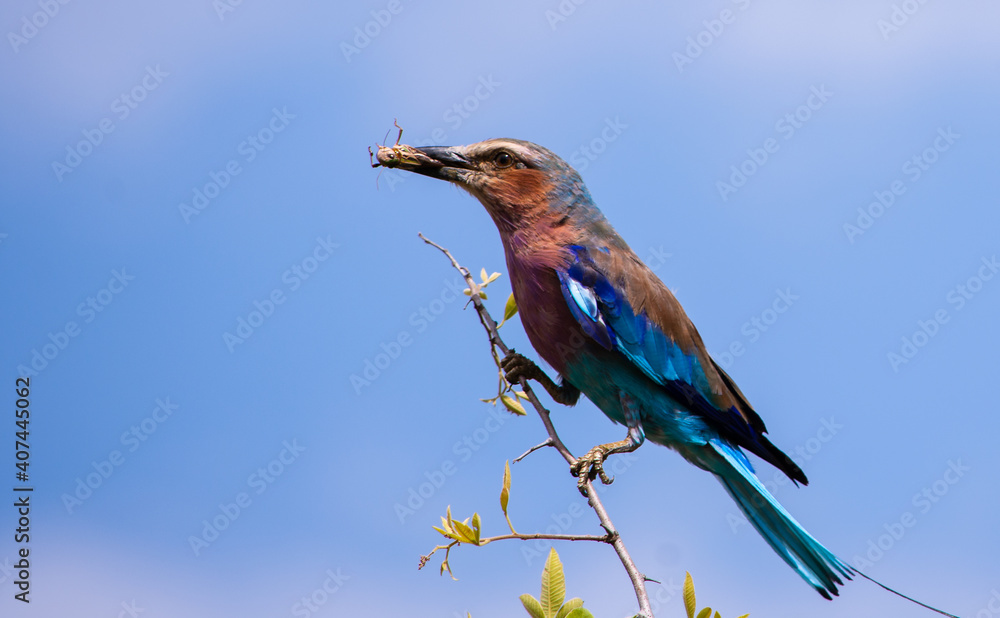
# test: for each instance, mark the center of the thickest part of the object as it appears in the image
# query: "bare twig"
(551, 537)
(548, 442)
(522, 537)
(613, 538)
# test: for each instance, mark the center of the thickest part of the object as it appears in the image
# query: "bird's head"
(521, 184)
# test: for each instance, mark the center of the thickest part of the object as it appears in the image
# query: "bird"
(613, 331)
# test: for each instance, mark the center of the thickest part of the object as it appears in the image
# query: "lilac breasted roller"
(613, 331)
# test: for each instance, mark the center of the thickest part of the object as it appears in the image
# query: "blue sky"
(197, 259)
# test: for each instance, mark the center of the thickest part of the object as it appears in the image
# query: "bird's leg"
(591, 465)
(516, 366)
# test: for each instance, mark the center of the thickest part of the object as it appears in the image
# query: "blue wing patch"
(606, 316)
(583, 305)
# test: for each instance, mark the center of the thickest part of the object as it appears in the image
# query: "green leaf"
(505, 492)
(745, 616)
(569, 606)
(446, 521)
(579, 613)
(718, 615)
(451, 526)
(532, 606)
(445, 566)
(553, 585)
(464, 531)
(521, 394)
(477, 525)
(510, 310)
(505, 495)
(689, 605)
(705, 613)
(482, 275)
(446, 528)
(512, 405)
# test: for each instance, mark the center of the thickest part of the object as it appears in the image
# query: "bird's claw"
(591, 466)
(516, 366)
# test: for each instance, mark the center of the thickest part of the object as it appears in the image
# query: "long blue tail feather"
(813, 562)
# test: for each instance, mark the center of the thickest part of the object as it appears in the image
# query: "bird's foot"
(516, 366)
(591, 466)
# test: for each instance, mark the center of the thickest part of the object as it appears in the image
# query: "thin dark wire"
(900, 594)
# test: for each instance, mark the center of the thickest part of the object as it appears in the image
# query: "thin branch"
(522, 537)
(638, 579)
(548, 442)
(551, 537)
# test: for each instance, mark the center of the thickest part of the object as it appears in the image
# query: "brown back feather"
(646, 292)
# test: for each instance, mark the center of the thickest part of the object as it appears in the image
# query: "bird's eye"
(503, 159)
